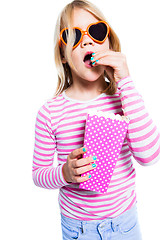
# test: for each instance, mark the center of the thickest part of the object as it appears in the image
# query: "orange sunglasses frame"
(85, 33)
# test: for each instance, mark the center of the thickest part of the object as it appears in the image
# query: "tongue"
(88, 63)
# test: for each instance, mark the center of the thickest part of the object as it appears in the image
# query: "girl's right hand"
(76, 165)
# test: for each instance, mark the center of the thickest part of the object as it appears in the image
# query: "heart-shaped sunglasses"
(98, 32)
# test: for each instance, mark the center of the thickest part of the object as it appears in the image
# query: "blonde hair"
(65, 20)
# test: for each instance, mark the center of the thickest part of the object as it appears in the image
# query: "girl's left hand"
(113, 61)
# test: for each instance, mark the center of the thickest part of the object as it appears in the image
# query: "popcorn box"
(104, 136)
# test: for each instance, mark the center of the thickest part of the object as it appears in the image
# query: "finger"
(109, 57)
(75, 153)
(83, 161)
(112, 61)
(80, 179)
(105, 55)
(98, 55)
(84, 169)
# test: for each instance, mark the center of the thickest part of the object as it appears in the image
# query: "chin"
(93, 76)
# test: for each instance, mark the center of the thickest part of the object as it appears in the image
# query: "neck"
(85, 90)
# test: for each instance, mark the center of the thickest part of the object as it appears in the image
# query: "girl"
(92, 74)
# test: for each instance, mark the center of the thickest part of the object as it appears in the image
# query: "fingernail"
(84, 149)
(94, 157)
(93, 63)
(93, 53)
(97, 60)
(94, 165)
(92, 58)
(89, 176)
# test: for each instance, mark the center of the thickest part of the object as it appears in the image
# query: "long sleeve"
(44, 174)
(142, 136)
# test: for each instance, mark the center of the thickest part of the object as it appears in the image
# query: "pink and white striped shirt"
(60, 127)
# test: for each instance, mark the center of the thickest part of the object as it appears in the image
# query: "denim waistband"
(113, 222)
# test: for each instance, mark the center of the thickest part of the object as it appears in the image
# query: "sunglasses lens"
(98, 31)
(64, 35)
(77, 36)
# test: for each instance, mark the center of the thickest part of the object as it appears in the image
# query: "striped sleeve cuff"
(64, 183)
(124, 82)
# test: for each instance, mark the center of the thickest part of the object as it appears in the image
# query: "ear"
(62, 56)
(63, 60)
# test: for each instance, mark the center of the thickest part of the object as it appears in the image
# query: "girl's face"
(81, 19)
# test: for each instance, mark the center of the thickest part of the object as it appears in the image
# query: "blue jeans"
(123, 227)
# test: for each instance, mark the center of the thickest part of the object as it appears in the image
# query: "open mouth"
(87, 59)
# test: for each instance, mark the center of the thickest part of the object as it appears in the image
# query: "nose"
(86, 40)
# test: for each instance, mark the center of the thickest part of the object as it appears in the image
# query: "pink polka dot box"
(104, 136)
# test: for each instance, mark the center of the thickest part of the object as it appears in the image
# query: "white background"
(28, 78)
